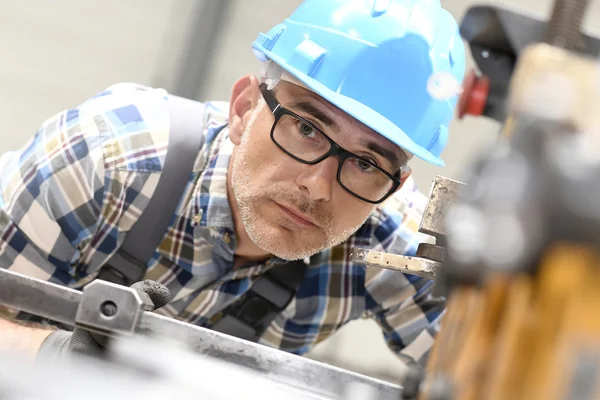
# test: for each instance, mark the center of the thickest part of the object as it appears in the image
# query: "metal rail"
(408, 265)
(115, 310)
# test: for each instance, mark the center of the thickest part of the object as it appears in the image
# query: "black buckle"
(253, 310)
(111, 274)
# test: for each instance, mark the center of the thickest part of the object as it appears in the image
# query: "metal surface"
(409, 265)
(38, 297)
(442, 193)
(51, 301)
(554, 84)
(431, 252)
(497, 35)
(107, 307)
(148, 369)
(275, 364)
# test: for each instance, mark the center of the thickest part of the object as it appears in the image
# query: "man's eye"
(365, 166)
(306, 129)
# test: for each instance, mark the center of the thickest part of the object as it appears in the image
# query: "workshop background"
(54, 55)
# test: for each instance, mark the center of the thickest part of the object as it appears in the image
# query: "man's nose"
(317, 180)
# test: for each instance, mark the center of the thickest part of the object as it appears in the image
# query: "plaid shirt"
(69, 196)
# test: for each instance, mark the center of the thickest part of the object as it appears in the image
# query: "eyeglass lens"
(307, 143)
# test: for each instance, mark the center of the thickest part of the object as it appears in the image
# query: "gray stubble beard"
(247, 200)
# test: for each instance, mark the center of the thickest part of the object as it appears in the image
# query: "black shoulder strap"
(249, 316)
(129, 264)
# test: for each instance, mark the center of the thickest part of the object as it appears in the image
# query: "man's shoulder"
(133, 102)
(125, 105)
(135, 123)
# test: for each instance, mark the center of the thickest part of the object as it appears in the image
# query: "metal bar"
(151, 369)
(38, 297)
(283, 367)
(59, 303)
(443, 192)
(409, 265)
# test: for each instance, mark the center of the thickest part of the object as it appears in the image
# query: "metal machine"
(499, 40)
(517, 246)
(521, 272)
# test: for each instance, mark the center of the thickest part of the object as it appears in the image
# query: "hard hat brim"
(359, 111)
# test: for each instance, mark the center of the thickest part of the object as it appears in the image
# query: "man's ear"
(406, 172)
(244, 97)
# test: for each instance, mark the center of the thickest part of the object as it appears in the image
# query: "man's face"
(290, 209)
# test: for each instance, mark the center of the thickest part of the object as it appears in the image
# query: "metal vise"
(429, 257)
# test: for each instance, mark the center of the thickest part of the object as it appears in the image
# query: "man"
(297, 166)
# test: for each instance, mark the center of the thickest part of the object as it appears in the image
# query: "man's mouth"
(297, 216)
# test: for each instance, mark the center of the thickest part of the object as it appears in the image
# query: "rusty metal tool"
(429, 257)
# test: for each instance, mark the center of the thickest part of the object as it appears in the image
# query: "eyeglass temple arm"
(269, 97)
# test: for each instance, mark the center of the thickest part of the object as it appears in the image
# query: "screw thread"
(564, 28)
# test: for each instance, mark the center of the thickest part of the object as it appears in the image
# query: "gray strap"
(249, 316)
(129, 264)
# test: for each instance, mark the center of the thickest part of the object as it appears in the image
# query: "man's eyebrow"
(315, 112)
(388, 154)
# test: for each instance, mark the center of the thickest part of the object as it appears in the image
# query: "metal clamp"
(109, 308)
(409, 265)
(429, 256)
(442, 194)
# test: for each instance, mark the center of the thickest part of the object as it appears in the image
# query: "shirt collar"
(211, 205)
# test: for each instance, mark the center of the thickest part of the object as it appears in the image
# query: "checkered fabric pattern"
(69, 196)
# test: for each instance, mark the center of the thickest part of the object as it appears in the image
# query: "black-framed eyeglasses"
(301, 140)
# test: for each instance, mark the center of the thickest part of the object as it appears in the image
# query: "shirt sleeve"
(403, 305)
(67, 196)
(409, 316)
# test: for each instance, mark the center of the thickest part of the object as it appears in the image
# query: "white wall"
(54, 54)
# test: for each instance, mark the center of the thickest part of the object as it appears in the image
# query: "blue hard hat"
(374, 59)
